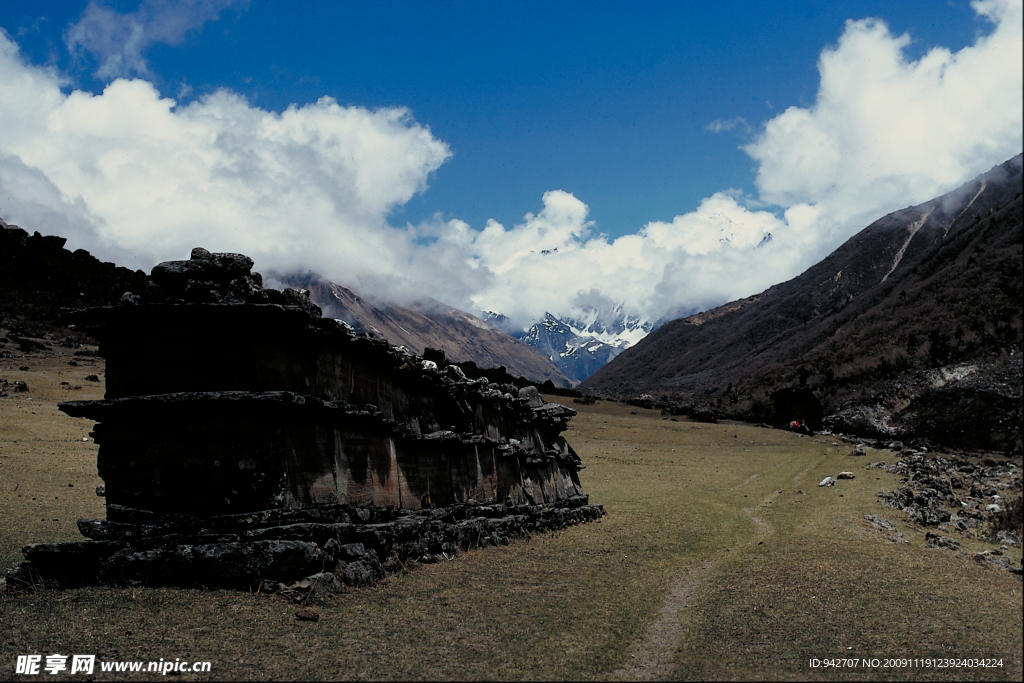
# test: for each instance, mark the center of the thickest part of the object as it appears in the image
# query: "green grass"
(770, 577)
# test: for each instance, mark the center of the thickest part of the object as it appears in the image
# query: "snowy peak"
(580, 344)
(615, 326)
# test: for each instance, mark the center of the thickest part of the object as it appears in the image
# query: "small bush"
(1010, 518)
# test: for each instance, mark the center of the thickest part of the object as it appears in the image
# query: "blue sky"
(597, 130)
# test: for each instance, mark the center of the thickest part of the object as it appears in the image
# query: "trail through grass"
(719, 558)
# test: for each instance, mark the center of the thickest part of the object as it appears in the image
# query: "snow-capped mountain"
(580, 344)
(613, 326)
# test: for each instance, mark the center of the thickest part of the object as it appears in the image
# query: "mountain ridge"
(430, 323)
(923, 287)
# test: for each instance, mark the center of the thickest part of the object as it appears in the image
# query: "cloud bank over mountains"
(134, 177)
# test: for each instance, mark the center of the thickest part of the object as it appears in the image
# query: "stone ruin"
(246, 441)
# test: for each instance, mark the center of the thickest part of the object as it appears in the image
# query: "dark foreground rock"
(271, 551)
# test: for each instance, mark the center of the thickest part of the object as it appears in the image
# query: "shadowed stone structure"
(243, 438)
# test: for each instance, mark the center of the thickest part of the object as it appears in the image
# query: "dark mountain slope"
(929, 286)
(461, 336)
(39, 277)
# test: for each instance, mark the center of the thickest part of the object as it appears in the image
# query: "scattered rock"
(307, 615)
(844, 475)
(1008, 537)
(936, 541)
(880, 523)
(930, 516)
(92, 378)
(990, 559)
(827, 481)
(895, 535)
(936, 486)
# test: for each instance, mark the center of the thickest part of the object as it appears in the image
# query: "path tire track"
(652, 658)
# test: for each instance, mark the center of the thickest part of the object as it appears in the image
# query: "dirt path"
(652, 658)
(749, 479)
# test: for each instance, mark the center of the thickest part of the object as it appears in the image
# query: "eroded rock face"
(971, 405)
(237, 417)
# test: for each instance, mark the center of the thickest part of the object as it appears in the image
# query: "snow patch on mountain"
(582, 342)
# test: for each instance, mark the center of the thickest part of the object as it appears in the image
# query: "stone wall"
(225, 402)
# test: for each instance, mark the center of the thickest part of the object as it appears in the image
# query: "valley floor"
(719, 558)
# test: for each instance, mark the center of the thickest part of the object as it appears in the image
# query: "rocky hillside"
(461, 336)
(933, 289)
(39, 277)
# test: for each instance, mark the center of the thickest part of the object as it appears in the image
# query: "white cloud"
(720, 126)
(886, 132)
(129, 172)
(549, 259)
(118, 41)
(307, 188)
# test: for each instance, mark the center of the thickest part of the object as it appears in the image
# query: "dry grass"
(48, 473)
(704, 518)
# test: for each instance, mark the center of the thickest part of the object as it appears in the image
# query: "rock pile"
(16, 386)
(243, 439)
(291, 551)
(953, 495)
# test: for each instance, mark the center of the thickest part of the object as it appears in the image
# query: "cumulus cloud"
(886, 132)
(118, 41)
(136, 178)
(305, 188)
(553, 261)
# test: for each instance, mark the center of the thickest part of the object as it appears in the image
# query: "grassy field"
(719, 558)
